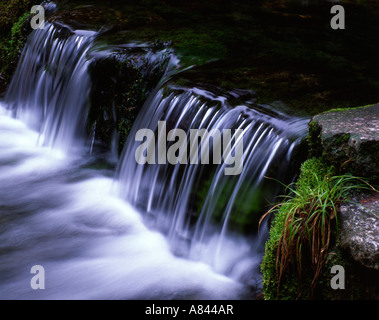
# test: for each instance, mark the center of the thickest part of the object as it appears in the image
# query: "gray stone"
(360, 230)
(350, 139)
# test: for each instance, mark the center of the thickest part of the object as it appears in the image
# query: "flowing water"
(51, 85)
(142, 232)
(199, 206)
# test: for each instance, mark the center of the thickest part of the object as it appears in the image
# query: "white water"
(92, 244)
(166, 193)
(51, 85)
(57, 212)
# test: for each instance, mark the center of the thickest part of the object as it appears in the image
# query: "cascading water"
(58, 212)
(199, 206)
(51, 85)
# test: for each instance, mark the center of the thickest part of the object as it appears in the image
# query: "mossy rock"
(348, 139)
(121, 82)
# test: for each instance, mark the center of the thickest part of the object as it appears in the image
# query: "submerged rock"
(349, 139)
(360, 230)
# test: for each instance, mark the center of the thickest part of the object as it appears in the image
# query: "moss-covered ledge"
(341, 142)
(348, 139)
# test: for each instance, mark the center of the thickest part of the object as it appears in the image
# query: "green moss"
(198, 48)
(314, 140)
(14, 30)
(310, 172)
(268, 266)
(10, 12)
(346, 109)
(17, 38)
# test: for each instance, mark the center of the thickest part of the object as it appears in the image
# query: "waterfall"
(60, 213)
(198, 205)
(172, 231)
(49, 90)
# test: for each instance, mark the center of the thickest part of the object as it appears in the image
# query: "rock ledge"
(349, 139)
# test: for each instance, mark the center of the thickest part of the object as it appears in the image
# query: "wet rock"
(349, 139)
(122, 79)
(360, 230)
(242, 93)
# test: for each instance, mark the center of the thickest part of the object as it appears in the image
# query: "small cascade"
(63, 215)
(49, 90)
(197, 205)
(205, 185)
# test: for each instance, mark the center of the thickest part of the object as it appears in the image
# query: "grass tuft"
(309, 214)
